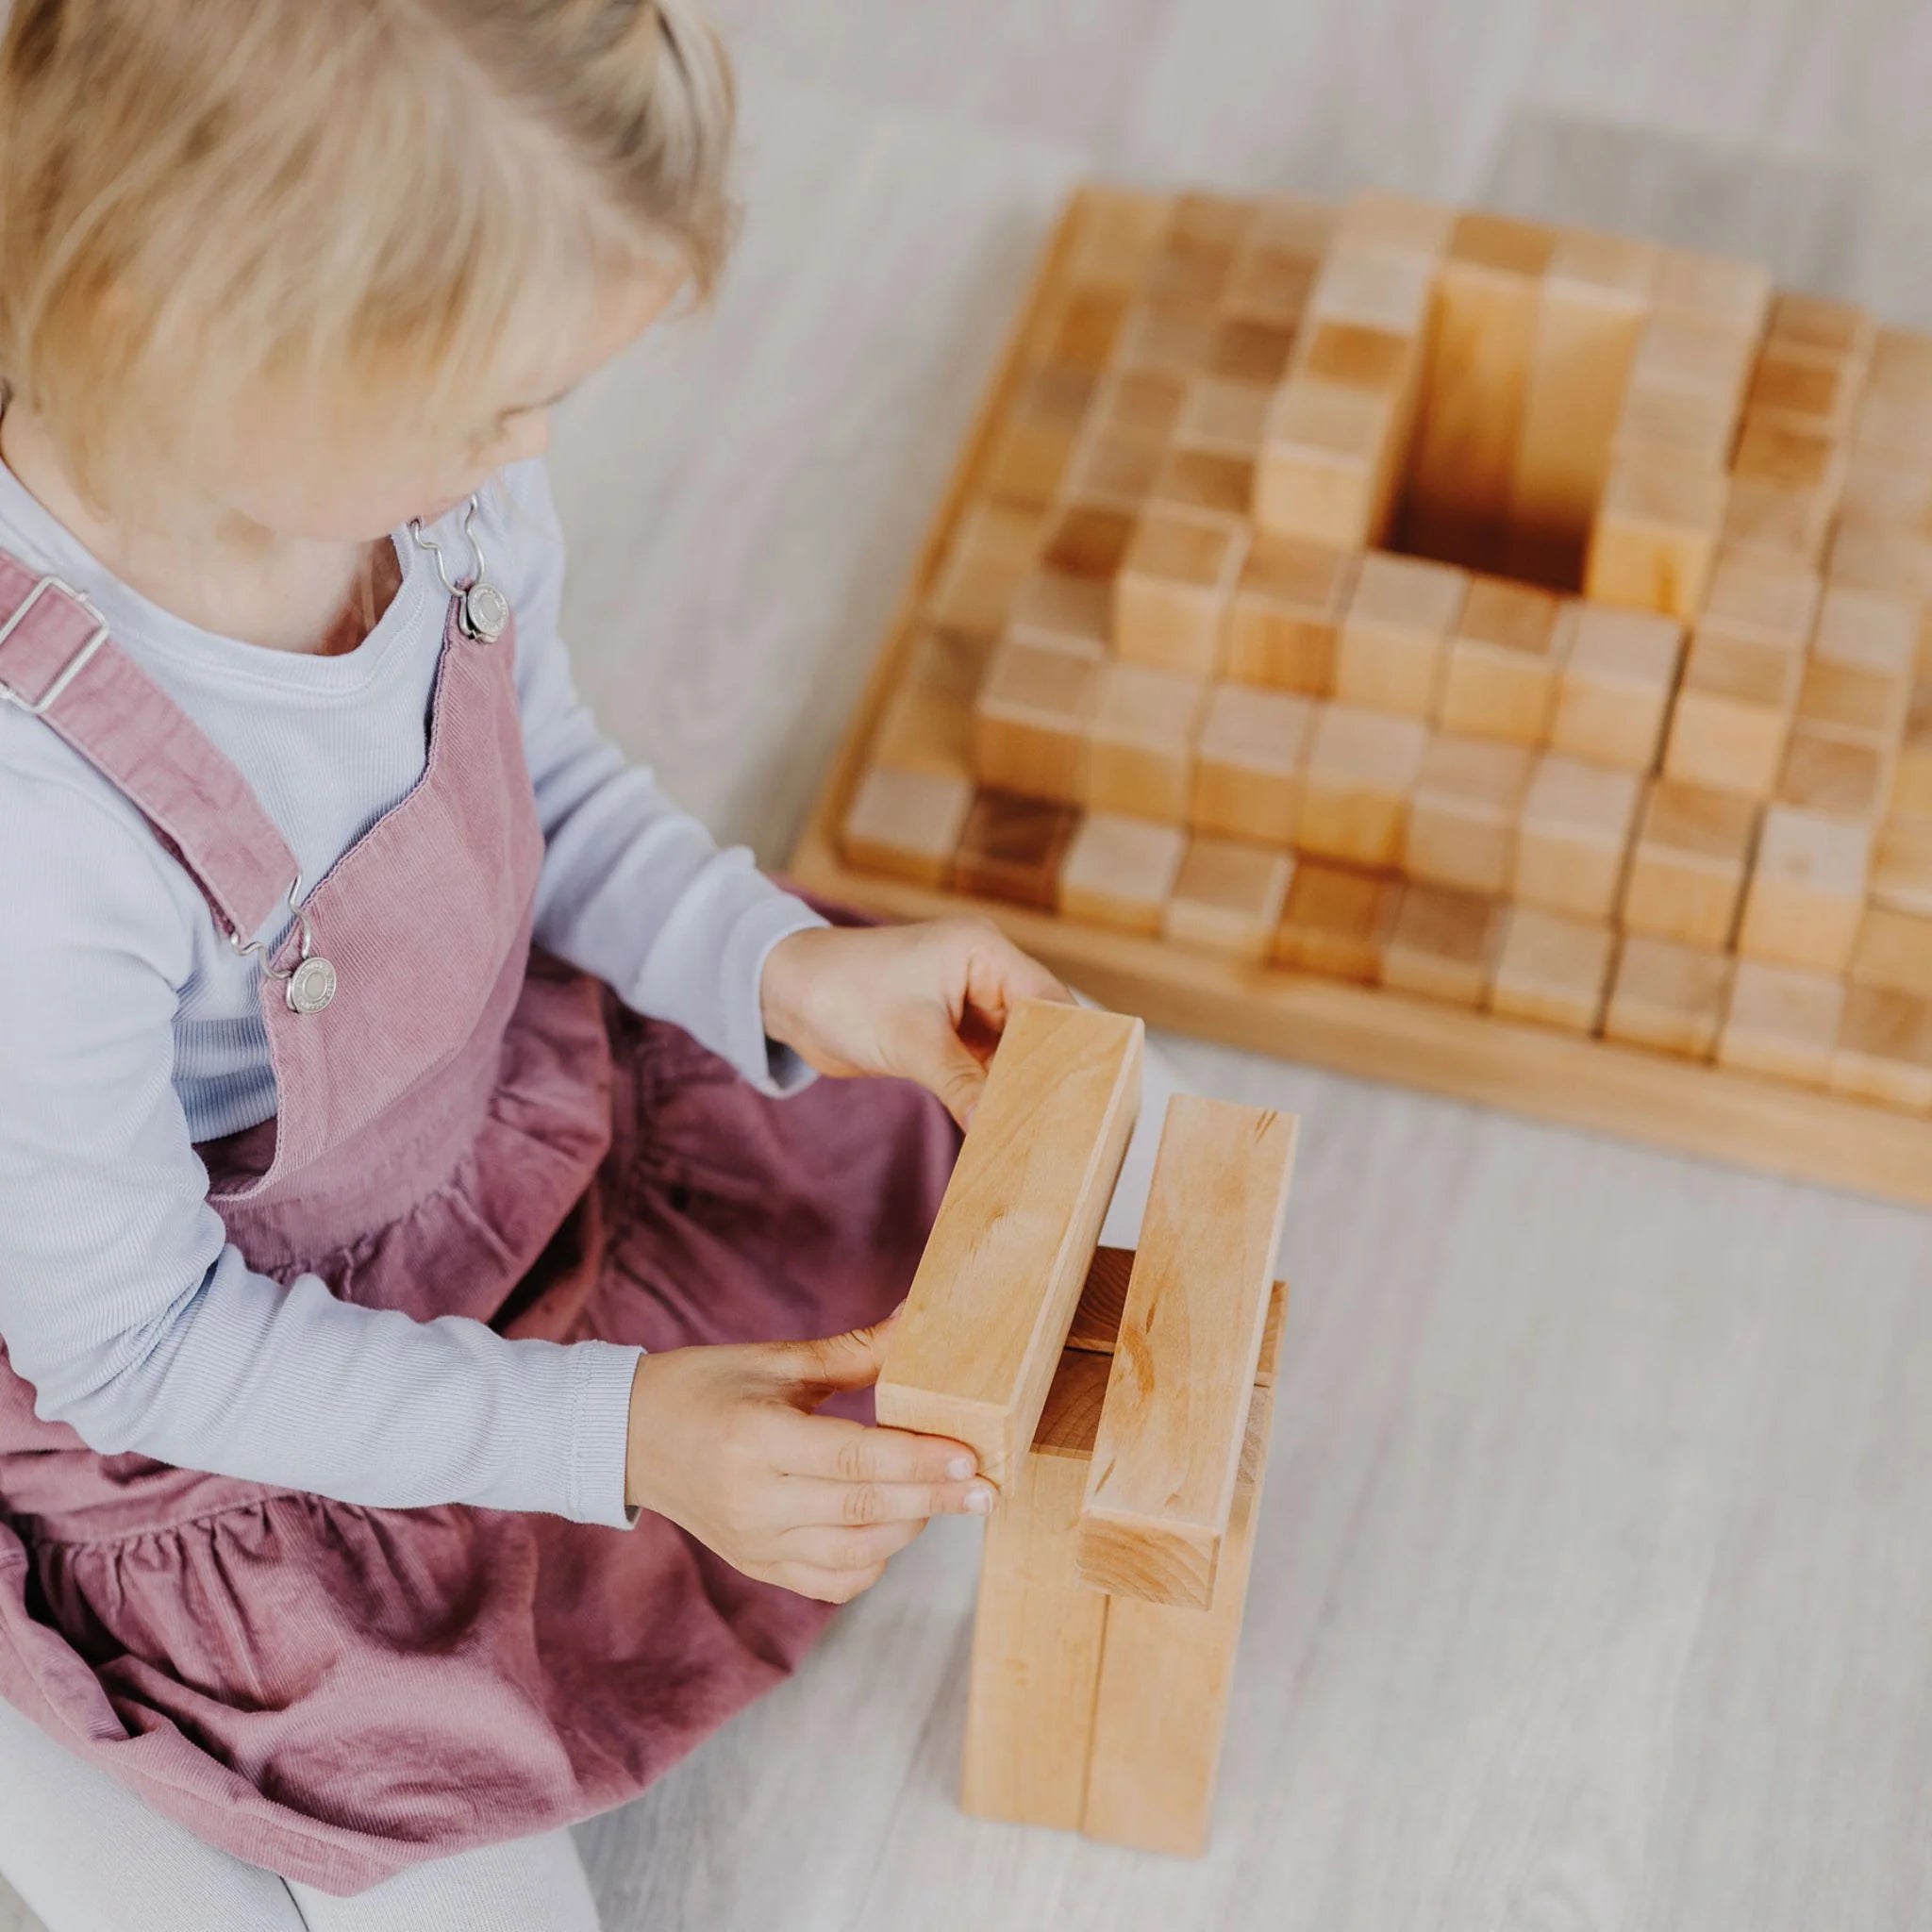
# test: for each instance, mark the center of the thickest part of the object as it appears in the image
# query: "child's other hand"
(723, 1441)
(924, 1002)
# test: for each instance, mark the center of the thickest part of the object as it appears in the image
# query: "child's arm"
(121, 1300)
(634, 889)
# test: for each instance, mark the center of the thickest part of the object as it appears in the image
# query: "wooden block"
(1244, 350)
(1614, 691)
(1338, 922)
(1901, 864)
(923, 730)
(1840, 776)
(1772, 600)
(1668, 996)
(1103, 1301)
(1677, 426)
(1373, 288)
(1806, 894)
(1594, 299)
(1140, 757)
(1119, 871)
(1823, 325)
(1031, 725)
(1776, 450)
(1888, 489)
(1229, 897)
(1013, 849)
(1118, 240)
(1894, 950)
(1169, 333)
(1882, 560)
(1087, 327)
(1172, 598)
(1143, 402)
(1778, 520)
(1287, 609)
(1782, 1023)
(1687, 865)
(1087, 540)
(1576, 831)
(993, 548)
(1552, 970)
(1862, 704)
(1060, 611)
(1038, 1633)
(1169, 1444)
(1463, 821)
(1271, 284)
(1362, 768)
(1358, 356)
(1713, 289)
(1733, 713)
(1226, 416)
(1655, 539)
(1444, 944)
(1166, 1682)
(1032, 454)
(1482, 338)
(1869, 628)
(1249, 761)
(1901, 362)
(1323, 461)
(975, 1347)
(1804, 389)
(1395, 637)
(1504, 664)
(1115, 467)
(1373, 217)
(907, 822)
(1884, 1050)
(1216, 482)
(1696, 355)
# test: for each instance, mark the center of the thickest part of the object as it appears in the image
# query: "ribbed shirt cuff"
(599, 1434)
(770, 1068)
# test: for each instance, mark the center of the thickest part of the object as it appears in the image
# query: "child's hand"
(925, 1002)
(724, 1443)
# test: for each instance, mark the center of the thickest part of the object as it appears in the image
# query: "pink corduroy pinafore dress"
(464, 1126)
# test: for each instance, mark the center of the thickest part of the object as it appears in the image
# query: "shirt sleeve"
(124, 1307)
(634, 889)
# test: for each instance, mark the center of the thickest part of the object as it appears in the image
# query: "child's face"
(360, 468)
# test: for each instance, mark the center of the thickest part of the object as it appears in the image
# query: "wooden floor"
(1594, 1587)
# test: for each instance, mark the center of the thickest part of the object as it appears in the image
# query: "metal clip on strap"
(38, 708)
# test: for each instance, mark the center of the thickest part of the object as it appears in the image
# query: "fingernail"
(979, 1500)
(960, 1468)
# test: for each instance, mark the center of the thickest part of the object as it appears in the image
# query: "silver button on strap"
(310, 983)
(482, 610)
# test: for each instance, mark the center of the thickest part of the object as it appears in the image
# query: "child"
(407, 1446)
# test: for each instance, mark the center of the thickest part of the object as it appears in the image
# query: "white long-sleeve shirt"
(129, 1030)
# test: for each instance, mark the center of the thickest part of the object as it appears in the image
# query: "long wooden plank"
(1037, 1632)
(1162, 1483)
(1166, 1679)
(975, 1350)
(1569, 1079)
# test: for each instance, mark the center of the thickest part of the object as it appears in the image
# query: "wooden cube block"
(907, 823)
(1574, 836)
(1142, 402)
(1087, 327)
(1733, 713)
(1362, 768)
(1087, 540)
(1806, 894)
(1120, 871)
(1249, 762)
(1170, 333)
(1680, 426)
(1687, 865)
(1374, 219)
(1322, 465)
(1804, 389)
(1888, 489)
(1614, 692)
(1216, 482)
(1395, 637)
(1141, 753)
(1060, 611)
(925, 730)
(1819, 324)
(1119, 238)
(1773, 601)
(1870, 629)
(993, 548)
(1668, 996)
(1884, 1049)
(1225, 416)
(1902, 865)
(1782, 1023)
(1358, 356)
(1244, 350)
(1373, 288)
(1552, 970)
(1032, 454)
(1712, 288)
(1287, 609)
(1229, 897)
(1861, 703)
(1882, 560)
(1654, 537)
(1033, 721)
(1012, 848)
(1338, 922)
(1778, 520)
(1504, 662)
(1115, 467)
(1838, 775)
(1773, 449)
(1463, 821)
(1444, 944)
(1894, 950)
(1695, 354)
(1270, 283)
(1172, 597)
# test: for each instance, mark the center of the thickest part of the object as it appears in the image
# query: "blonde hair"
(197, 195)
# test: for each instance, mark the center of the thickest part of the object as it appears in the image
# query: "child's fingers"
(816, 1500)
(818, 1547)
(826, 1585)
(848, 1452)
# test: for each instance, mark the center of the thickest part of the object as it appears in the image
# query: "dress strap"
(58, 664)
